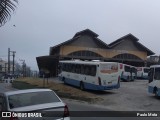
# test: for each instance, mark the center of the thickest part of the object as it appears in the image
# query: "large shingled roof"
(109, 46)
(132, 37)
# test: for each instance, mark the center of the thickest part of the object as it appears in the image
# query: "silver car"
(32, 104)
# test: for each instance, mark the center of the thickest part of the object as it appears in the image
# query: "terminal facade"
(85, 45)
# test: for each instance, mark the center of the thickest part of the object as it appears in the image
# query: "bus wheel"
(119, 81)
(156, 91)
(82, 86)
(63, 79)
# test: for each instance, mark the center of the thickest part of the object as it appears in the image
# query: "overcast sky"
(41, 24)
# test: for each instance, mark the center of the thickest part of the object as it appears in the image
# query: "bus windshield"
(134, 70)
(157, 73)
(109, 68)
(127, 68)
(146, 70)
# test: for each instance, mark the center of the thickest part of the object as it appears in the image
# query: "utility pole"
(8, 60)
(13, 59)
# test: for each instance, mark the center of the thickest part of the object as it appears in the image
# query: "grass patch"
(62, 90)
(23, 85)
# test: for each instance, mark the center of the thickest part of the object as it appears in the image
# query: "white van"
(142, 72)
(154, 80)
(125, 72)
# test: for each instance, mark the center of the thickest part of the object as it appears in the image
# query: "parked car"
(42, 101)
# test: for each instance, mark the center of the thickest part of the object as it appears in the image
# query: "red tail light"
(121, 66)
(66, 111)
(99, 81)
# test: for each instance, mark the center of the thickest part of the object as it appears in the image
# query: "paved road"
(94, 110)
(91, 109)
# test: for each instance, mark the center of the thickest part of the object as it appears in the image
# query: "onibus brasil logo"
(15, 114)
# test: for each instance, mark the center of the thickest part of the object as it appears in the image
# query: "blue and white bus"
(154, 80)
(90, 75)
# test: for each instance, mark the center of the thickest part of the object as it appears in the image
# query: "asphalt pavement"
(80, 110)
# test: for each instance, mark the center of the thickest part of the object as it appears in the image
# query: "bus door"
(131, 73)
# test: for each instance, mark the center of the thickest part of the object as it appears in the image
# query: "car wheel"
(156, 93)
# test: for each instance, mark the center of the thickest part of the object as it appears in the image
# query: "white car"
(23, 104)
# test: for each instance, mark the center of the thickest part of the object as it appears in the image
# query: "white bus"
(90, 75)
(142, 72)
(154, 80)
(125, 72)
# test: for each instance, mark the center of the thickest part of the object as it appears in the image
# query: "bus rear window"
(109, 68)
(139, 69)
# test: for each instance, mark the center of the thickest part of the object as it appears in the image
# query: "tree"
(6, 8)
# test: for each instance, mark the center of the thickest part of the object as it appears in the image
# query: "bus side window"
(69, 68)
(82, 69)
(64, 67)
(150, 75)
(77, 69)
(90, 70)
(93, 70)
(73, 68)
(86, 70)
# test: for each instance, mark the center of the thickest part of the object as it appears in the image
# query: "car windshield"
(32, 98)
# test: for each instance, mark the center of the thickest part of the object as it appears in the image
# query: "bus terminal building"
(85, 45)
